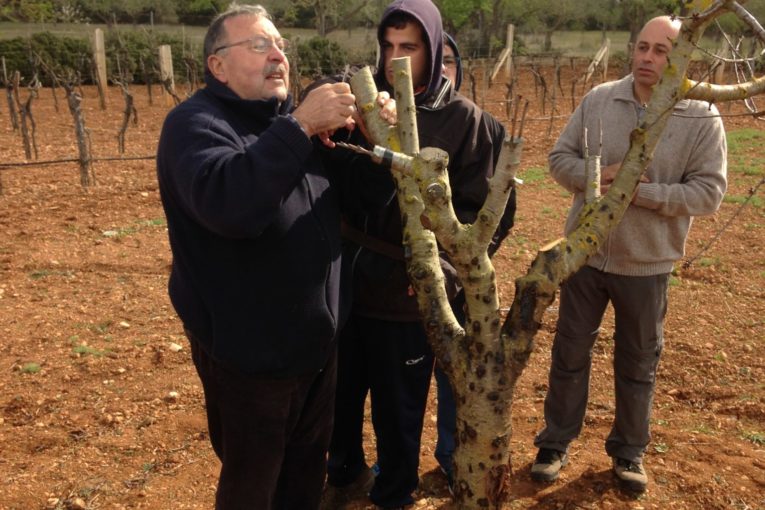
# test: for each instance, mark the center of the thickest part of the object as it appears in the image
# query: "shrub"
(319, 56)
(134, 53)
(126, 50)
(58, 53)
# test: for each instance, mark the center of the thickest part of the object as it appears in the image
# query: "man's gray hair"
(216, 33)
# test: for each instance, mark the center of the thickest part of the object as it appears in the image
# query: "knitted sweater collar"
(623, 91)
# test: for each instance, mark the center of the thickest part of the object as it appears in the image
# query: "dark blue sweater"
(254, 231)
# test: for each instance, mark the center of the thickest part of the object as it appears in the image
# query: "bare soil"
(100, 406)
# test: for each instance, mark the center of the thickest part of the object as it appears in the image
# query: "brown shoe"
(335, 498)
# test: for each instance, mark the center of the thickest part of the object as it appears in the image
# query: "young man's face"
(450, 64)
(406, 42)
(245, 68)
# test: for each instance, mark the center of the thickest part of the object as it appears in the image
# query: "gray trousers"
(640, 305)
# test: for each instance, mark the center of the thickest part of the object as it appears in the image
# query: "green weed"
(703, 428)
(86, 350)
(533, 174)
(757, 438)
(101, 328)
(755, 201)
(30, 368)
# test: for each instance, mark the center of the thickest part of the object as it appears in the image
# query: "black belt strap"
(355, 235)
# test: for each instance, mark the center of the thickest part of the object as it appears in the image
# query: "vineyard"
(100, 406)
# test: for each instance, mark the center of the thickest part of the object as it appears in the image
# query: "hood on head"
(453, 45)
(427, 14)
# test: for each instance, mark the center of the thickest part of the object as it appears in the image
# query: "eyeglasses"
(450, 61)
(259, 44)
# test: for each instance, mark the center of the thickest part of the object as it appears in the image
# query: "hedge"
(134, 53)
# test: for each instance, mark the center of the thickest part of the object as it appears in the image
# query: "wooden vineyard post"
(99, 57)
(166, 75)
(509, 46)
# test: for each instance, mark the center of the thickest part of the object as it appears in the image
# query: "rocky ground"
(100, 407)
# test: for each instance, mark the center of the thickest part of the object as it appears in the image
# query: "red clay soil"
(100, 406)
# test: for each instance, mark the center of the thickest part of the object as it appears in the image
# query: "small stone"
(144, 194)
(172, 396)
(77, 504)
(673, 392)
(746, 347)
(124, 324)
(52, 502)
(175, 347)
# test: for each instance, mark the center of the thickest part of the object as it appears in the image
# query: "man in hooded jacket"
(383, 349)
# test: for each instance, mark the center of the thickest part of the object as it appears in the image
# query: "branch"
(363, 86)
(704, 91)
(500, 185)
(405, 106)
(420, 247)
(747, 18)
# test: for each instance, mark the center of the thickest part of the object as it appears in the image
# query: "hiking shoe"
(334, 498)
(548, 464)
(631, 475)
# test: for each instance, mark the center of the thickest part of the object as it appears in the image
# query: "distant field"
(356, 41)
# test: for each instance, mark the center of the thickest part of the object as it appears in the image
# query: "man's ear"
(215, 65)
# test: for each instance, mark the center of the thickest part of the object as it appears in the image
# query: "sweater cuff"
(647, 195)
(291, 133)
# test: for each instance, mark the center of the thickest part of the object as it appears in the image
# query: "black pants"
(392, 360)
(271, 435)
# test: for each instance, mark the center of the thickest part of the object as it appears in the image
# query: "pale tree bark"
(484, 359)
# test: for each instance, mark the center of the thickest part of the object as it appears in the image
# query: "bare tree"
(484, 359)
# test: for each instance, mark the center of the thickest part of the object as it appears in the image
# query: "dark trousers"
(640, 305)
(271, 435)
(393, 360)
(446, 423)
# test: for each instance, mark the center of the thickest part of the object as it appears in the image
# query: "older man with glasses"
(254, 229)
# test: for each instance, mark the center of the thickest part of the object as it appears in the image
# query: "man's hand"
(325, 109)
(608, 174)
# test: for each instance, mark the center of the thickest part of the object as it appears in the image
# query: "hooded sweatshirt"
(429, 18)
(447, 121)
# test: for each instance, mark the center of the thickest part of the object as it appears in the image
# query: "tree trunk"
(485, 359)
(548, 41)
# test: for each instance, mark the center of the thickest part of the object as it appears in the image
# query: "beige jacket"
(687, 176)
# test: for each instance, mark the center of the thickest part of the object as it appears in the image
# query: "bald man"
(686, 178)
